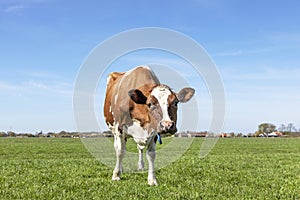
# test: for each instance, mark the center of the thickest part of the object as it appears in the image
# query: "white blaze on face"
(161, 93)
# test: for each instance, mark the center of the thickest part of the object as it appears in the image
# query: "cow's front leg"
(120, 148)
(140, 166)
(151, 157)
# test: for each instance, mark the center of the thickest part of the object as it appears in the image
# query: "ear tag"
(159, 139)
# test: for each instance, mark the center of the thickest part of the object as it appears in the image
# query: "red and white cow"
(137, 105)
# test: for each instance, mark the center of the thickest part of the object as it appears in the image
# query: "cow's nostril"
(170, 124)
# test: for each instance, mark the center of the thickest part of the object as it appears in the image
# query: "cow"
(137, 105)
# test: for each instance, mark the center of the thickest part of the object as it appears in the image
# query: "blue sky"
(254, 44)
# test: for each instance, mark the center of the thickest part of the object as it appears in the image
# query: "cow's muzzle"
(167, 127)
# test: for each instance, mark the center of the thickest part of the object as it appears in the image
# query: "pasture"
(237, 168)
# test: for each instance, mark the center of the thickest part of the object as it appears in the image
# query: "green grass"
(241, 168)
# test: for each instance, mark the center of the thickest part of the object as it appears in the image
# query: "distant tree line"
(265, 129)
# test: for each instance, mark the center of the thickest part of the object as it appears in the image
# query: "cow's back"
(117, 101)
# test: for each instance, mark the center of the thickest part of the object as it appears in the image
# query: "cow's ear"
(137, 96)
(185, 94)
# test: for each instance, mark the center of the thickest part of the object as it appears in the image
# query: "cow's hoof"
(116, 178)
(140, 168)
(152, 182)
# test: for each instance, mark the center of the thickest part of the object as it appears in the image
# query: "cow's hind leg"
(141, 161)
(151, 157)
(120, 148)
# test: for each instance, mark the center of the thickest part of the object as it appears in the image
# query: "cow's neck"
(141, 135)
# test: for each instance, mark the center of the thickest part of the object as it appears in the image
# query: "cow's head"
(161, 103)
